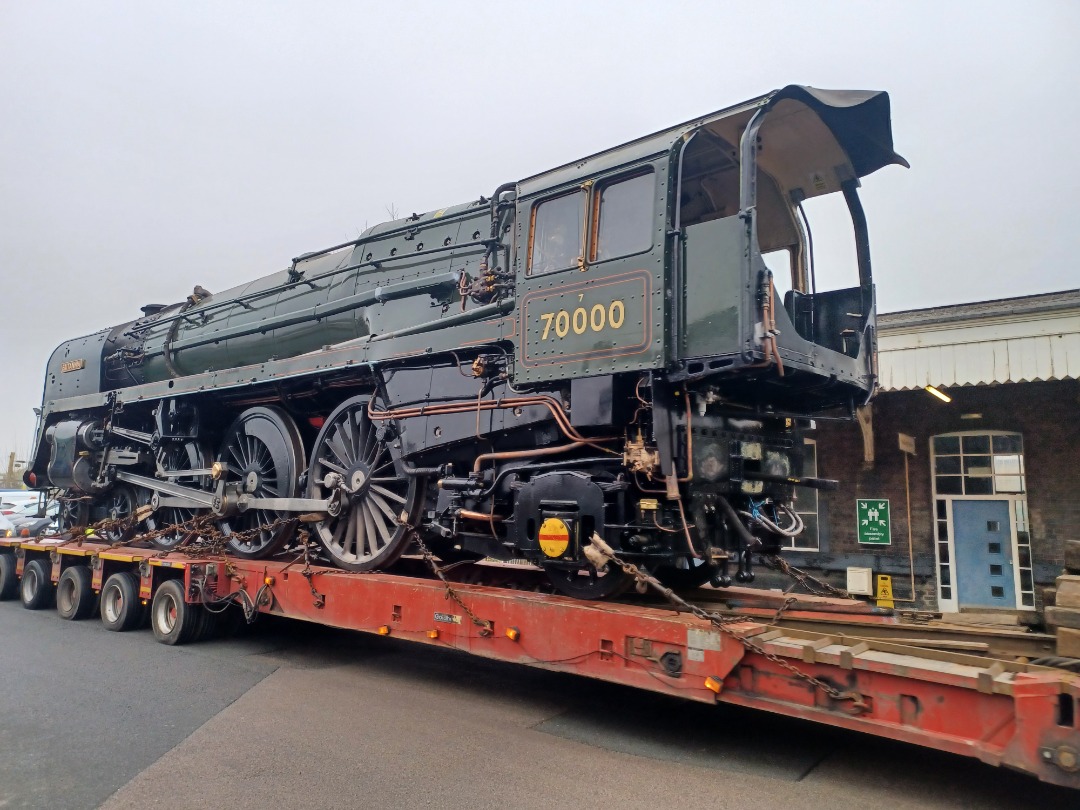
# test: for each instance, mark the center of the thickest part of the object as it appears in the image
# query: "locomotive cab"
(739, 195)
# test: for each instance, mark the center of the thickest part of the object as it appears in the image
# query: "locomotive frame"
(598, 348)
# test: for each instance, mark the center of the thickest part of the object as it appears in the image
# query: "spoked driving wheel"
(372, 528)
(175, 458)
(264, 454)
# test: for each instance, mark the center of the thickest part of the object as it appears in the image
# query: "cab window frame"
(582, 230)
(596, 213)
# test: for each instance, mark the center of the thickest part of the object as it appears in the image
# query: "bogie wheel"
(175, 457)
(121, 609)
(372, 529)
(36, 588)
(263, 452)
(173, 620)
(74, 511)
(9, 580)
(75, 595)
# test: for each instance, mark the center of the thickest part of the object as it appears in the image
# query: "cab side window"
(624, 212)
(557, 231)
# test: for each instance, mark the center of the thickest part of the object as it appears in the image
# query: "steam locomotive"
(599, 348)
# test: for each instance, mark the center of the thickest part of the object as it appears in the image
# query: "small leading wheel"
(119, 505)
(372, 529)
(36, 588)
(9, 580)
(175, 457)
(121, 609)
(75, 595)
(264, 454)
(173, 620)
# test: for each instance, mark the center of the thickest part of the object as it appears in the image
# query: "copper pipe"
(468, 514)
(508, 454)
(686, 529)
(514, 402)
(772, 350)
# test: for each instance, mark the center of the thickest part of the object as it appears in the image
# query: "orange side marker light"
(432, 633)
(384, 630)
(713, 684)
(513, 633)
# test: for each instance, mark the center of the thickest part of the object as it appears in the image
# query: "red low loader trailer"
(1004, 713)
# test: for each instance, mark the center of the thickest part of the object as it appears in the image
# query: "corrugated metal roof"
(1024, 339)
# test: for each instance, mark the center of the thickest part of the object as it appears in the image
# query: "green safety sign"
(873, 518)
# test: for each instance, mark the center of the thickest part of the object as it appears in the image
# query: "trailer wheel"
(74, 593)
(36, 588)
(9, 581)
(207, 626)
(172, 619)
(121, 609)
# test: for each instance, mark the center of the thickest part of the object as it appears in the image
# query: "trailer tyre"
(36, 588)
(121, 609)
(173, 620)
(9, 580)
(75, 594)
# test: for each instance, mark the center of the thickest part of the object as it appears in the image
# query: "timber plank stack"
(1064, 615)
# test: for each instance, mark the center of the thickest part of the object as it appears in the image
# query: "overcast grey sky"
(147, 147)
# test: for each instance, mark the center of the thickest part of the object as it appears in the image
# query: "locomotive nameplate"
(72, 365)
(601, 318)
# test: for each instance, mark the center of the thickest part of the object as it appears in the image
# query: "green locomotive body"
(598, 348)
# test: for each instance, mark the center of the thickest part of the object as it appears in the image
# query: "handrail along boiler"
(597, 348)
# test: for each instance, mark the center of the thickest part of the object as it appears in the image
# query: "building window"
(624, 218)
(806, 504)
(979, 464)
(558, 225)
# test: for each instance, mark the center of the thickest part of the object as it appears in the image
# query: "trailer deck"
(1001, 712)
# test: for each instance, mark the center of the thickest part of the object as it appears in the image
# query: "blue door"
(984, 565)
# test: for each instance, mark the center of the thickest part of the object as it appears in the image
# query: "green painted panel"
(714, 268)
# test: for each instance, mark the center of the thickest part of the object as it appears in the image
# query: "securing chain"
(317, 599)
(200, 535)
(811, 583)
(484, 625)
(791, 600)
(600, 552)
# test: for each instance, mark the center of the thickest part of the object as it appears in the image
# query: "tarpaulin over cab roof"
(860, 120)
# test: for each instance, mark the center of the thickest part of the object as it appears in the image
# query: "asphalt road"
(294, 716)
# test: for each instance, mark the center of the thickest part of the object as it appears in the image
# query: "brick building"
(991, 475)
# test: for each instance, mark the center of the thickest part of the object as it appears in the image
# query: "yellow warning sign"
(884, 591)
(554, 537)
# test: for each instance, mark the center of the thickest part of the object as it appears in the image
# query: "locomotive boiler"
(599, 348)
